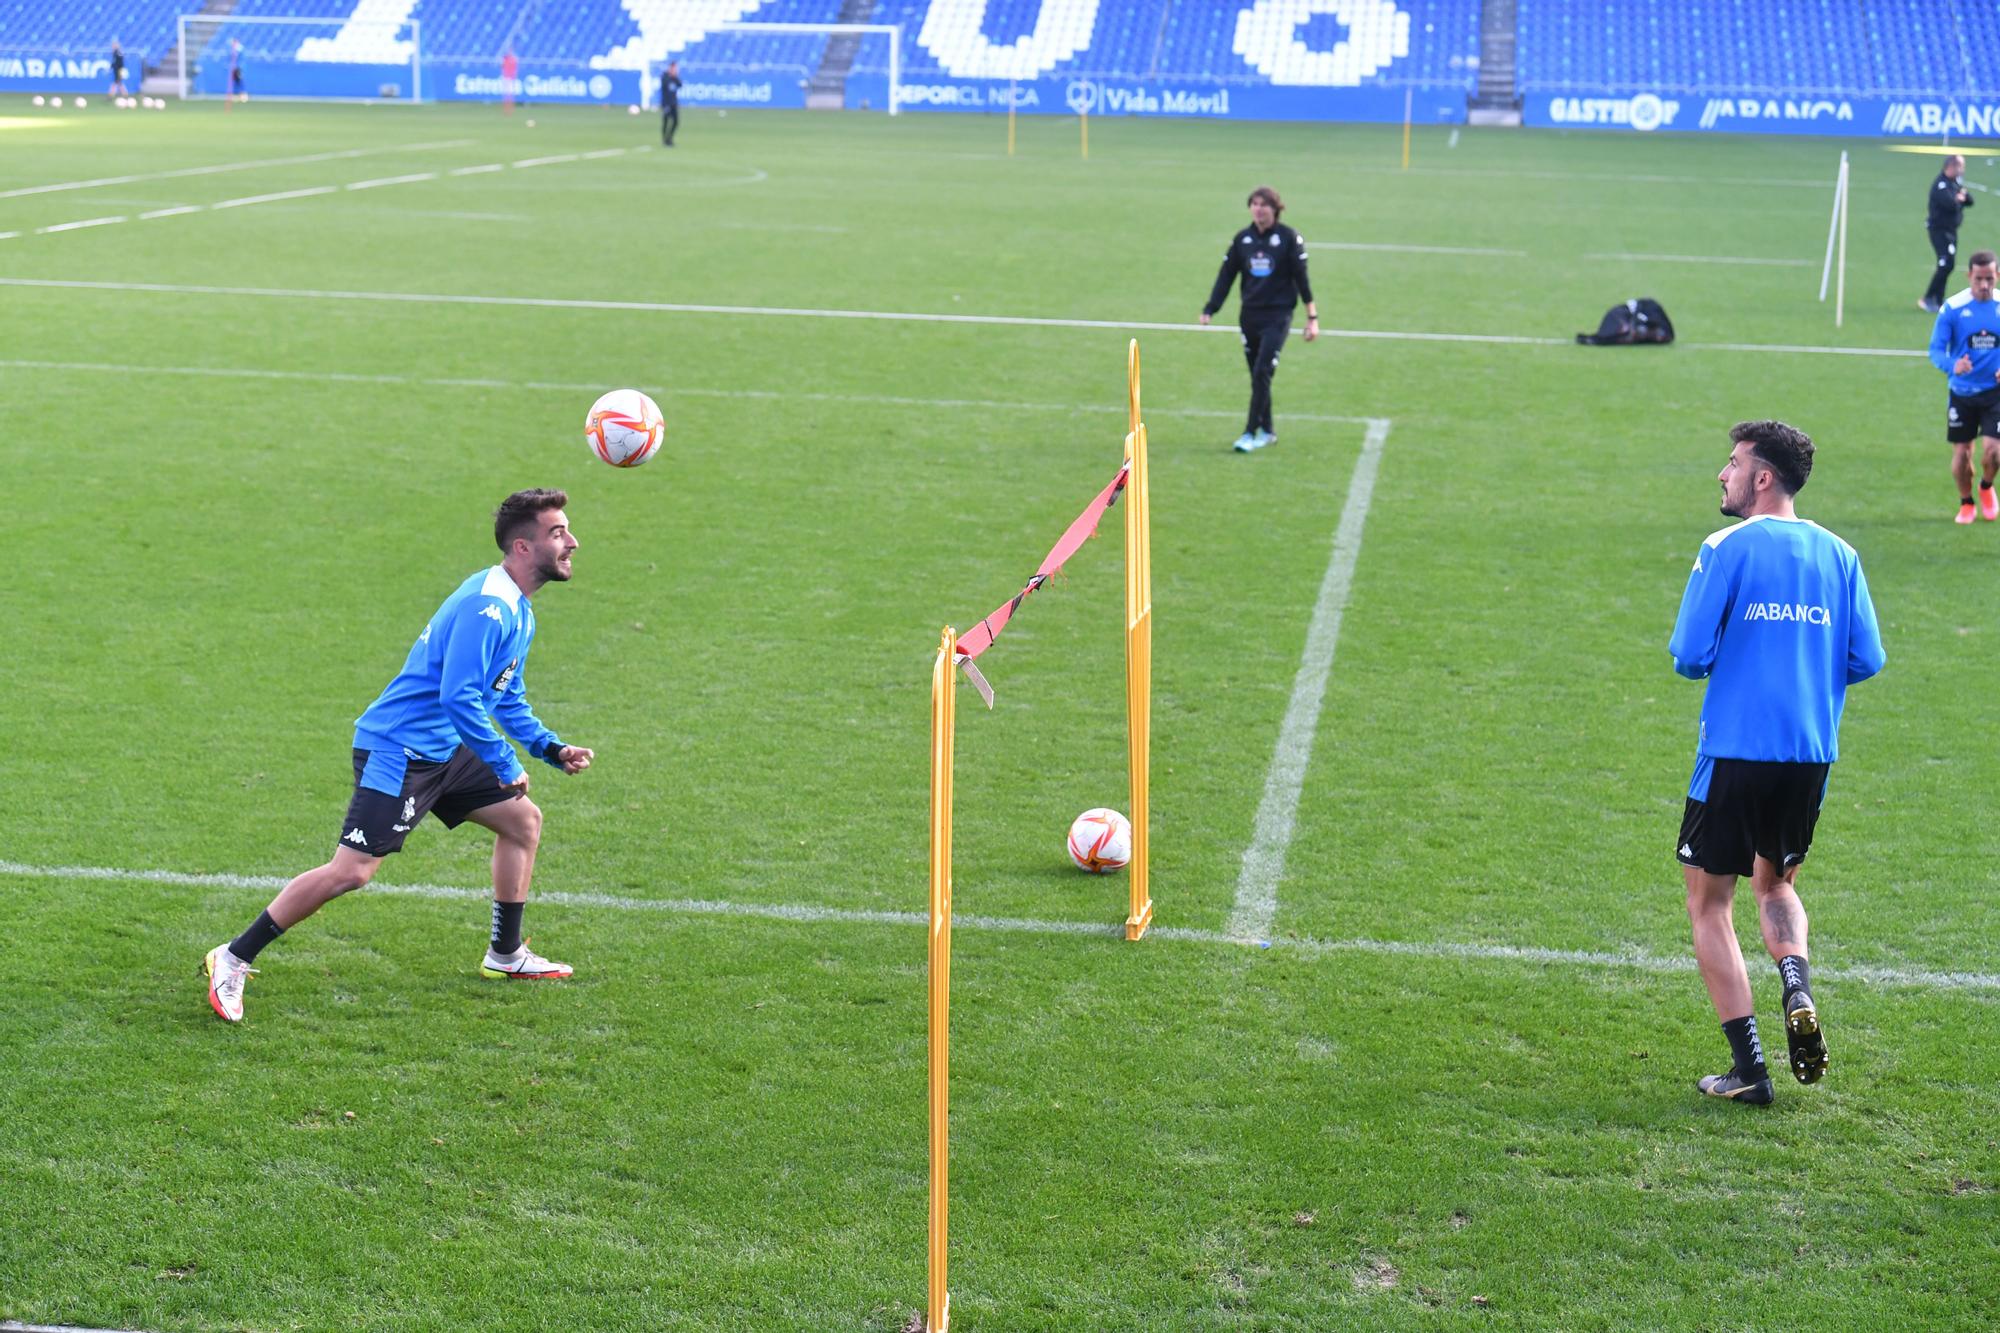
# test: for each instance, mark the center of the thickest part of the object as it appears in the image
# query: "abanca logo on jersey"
(1811, 615)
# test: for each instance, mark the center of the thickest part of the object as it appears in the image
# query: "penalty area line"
(1277, 813)
(1633, 960)
(662, 391)
(233, 166)
(890, 316)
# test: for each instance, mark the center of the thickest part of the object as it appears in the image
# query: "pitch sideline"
(894, 316)
(1309, 946)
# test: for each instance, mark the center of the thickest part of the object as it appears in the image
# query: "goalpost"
(290, 58)
(650, 87)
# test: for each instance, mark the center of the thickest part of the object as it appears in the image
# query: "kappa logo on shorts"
(357, 837)
(1687, 851)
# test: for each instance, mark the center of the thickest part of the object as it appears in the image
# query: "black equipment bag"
(1640, 320)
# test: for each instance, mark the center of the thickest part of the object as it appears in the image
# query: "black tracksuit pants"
(1945, 244)
(670, 120)
(1264, 334)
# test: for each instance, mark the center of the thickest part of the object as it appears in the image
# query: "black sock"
(252, 941)
(1797, 977)
(1985, 485)
(507, 927)
(1743, 1043)
(1965, 499)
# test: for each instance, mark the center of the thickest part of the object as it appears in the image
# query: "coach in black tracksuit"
(1948, 202)
(1271, 258)
(670, 102)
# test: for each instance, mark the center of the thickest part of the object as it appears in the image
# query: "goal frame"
(893, 31)
(183, 65)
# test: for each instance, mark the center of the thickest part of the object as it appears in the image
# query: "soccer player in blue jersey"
(1965, 345)
(1776, 617)
(428, 745)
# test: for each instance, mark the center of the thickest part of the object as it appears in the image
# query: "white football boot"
(524, 964)
(226, 975)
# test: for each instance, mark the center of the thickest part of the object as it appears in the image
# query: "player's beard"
(552, 570)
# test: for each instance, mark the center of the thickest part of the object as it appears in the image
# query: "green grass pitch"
(1457, 1089)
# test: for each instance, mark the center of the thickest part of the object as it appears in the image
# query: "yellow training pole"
(944, 693)
(1138, 648)
(1010, 120)
(1407, 93)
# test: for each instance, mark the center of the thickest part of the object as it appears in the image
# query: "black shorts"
(377, 822)
(1966, 418)
(1754, 808)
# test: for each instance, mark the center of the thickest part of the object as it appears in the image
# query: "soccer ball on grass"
(1100, 841)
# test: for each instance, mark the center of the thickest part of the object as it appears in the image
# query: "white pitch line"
(479, 170)
(893, 316)
(9, 1326)
(1636, 960)
(77, 226)
(170, 212)
(546, 161)
(1277, 813)
(411, 179)
(657, 390)
(250, 199)
(1419, 249)
(604, 152)
(1710, 259)
(233, 166)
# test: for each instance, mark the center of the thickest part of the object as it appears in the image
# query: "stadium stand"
(57, 27)
(1883, 48)
(1185, 40)
(1781, 47)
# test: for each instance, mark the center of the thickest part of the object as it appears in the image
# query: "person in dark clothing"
(1271, 258)
(117, 69)
(670, 102)
(1948, 202)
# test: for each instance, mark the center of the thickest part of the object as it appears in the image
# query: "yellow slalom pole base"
(1135, 925)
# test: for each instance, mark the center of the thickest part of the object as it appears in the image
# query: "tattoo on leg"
(1783, 918)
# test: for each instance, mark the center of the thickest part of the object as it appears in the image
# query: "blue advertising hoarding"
(1647, 112)
(1444, 105)
(41, 72)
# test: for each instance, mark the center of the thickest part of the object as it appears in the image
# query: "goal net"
(828, 66)
(300, 59)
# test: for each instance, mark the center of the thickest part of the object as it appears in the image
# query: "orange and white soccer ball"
(1100, 841)
(624, 428)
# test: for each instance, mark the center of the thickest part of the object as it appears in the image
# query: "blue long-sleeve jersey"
(1966, 327)
(463, 673)
(1777, 617)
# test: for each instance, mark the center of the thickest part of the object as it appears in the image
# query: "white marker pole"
(1840, 281)
(1833, 224)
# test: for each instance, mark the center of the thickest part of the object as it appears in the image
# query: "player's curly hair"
(517, 514)
(1269, 196)
(1786, 450)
